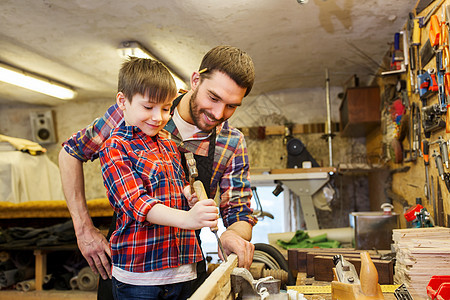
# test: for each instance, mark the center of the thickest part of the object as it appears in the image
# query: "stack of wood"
(421, 253)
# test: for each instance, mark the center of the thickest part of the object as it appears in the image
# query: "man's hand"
(95, 248)
(91, 242)
(233, 242)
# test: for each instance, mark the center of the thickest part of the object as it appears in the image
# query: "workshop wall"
(352, 192)
(409, 177)
(267, 153)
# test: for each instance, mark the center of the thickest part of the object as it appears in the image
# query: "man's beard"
(196, 115)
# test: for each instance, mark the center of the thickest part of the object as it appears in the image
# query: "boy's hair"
(232, 61)
(146, 77)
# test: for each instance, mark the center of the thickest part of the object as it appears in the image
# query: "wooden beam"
(263, 131)
(218, 284)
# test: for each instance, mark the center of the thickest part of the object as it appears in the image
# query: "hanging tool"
(439, 162)
(397, 56)
(440, 77)
(444, 152)
(445, 51)
(400, 59)
(433, 195)
(415, 46)
(415, 116)
(432, 119)
(439, 216)
(443, 147)
(439, 165)
(425, 153)
(421, 5)
(426, 53)
(410, 48)
(427, 85)
(439, 32)
(435, 31)
(424, 20)
(199, 189)
(412, 151)
(423, 219)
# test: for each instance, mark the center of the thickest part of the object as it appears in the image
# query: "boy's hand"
(203, 214)
(191, 198)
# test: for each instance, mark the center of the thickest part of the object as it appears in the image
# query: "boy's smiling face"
(144, 113)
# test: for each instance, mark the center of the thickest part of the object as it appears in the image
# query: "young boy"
(154, 247)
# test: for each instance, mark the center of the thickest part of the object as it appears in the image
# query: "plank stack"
(421, 253)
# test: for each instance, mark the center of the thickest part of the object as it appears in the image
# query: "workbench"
(304, 182)
(218, 286)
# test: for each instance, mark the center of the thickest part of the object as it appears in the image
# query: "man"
(199, 125)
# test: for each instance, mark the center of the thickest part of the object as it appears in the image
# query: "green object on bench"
(301, 239)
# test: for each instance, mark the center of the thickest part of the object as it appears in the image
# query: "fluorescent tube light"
(135, 49)
(35, 83)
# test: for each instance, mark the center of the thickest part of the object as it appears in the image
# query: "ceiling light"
(35, 83)
(135, 49)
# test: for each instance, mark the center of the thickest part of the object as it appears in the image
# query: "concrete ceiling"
(292, 44)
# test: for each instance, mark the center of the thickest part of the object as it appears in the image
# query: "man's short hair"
(146, 77)
(235, 63)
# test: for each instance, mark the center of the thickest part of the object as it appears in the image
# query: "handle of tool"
(397, 41)
(416, 33)
(191, 184)
(444, 152)
(368, 276)
(434, 33)
(426, 152)
(439, 164)
(201, 195)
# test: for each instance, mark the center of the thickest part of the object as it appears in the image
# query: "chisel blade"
(220, 246)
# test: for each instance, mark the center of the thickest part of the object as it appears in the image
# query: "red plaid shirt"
(140, 171)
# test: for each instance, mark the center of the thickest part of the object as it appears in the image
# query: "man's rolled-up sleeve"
(86, 143)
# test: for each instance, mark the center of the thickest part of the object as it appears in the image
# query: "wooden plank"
(262, 131)
(40, 268)
(323, 268)
(293, 261)
(218, 284)
(275, 130)
(303, 170)
(300, 255)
